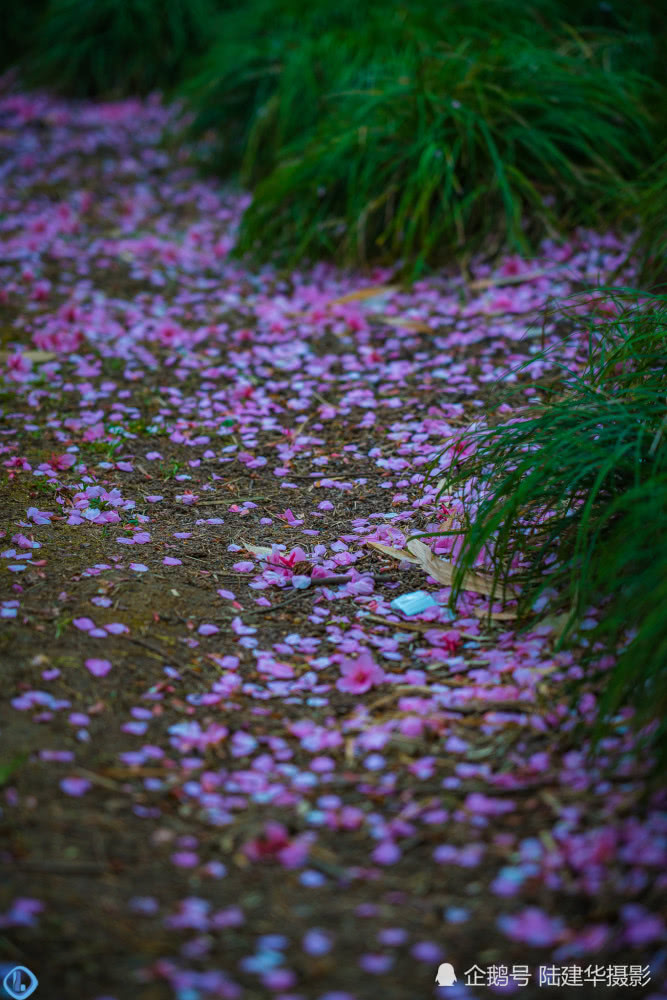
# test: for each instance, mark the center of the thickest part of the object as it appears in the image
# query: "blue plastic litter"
(414, 603)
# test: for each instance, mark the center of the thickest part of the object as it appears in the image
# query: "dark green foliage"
(117, 47)
(411, 131)
(19, 21)
(574, 497)
(467, 148)
(651, 207)
(265, 81)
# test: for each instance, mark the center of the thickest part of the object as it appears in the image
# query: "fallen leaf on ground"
(257, 550)
(507, 279)
(444, 571)
(362, 294)
(418, 325)
(402, 626)
(31, 355)
(389, 550)
(500, 616)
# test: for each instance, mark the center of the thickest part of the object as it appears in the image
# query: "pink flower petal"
(75, 786)
(97, 667)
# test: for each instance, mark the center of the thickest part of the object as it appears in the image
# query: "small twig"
(38, 611)
(147, 645)
(238, 576)
(482, 707)
(469, 708)
(229, 502)
(300, 430)
(321, 863)
(196, 559)
(510, 279)
(97, 779)
(406, 626)
(166, 656)
(455, 670)
(512, 791)
(281, 604)
(320, 581)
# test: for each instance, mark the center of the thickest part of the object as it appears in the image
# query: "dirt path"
(220, 778)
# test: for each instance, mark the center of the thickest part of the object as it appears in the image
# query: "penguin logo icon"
(446, 975)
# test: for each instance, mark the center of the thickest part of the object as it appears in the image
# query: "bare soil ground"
(443, 811)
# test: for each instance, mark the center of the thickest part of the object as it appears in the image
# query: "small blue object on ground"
(414, 603)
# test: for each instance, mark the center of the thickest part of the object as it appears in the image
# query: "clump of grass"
(572, 495)
(412, 132)
(264, 81)
(651, 209)
(113, 48)
(439, 154)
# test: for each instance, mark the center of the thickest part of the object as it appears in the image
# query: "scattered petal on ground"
(285, 783)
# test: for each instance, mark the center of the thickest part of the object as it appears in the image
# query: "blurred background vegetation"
(388, 130)
(416, 133)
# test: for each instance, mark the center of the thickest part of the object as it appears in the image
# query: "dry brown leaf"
(500, 616)
(31, 355)
(557, 622)
(494, 313)
(389, 550)
(362, 294)
(439, 569)
(508, 279)
(443, 571)
(418, 325)
(257, 550)
(403, 626)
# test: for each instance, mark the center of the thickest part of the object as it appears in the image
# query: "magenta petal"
(98, 668)
(75, 786)
(85, 624)
(208, 629)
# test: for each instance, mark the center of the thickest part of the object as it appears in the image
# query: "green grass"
(417, 131)
(8, 768)
(649, 207)
(570, 500)
(389, 130)
(114, 48)
(263, 82)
